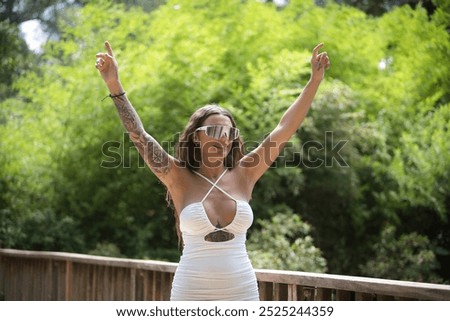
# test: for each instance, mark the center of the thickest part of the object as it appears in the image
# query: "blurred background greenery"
(70, 179)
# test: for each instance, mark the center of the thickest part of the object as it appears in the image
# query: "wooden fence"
(31, 275)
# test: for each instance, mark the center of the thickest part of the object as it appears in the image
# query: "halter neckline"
(214, 185)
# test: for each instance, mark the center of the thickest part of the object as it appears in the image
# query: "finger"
(322, 54)
(99, 65)
(318, 62)
(322, 61)
(100, 61)
(109, 49)
(316, 49)
(319, 58)
(326, 62)
(104, 56)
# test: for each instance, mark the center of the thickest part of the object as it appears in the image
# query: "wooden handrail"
(384, 287)
(36, 275)
(159, 266)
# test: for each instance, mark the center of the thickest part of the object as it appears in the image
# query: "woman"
(210, 183)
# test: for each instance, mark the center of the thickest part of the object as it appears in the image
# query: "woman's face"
(214, 150)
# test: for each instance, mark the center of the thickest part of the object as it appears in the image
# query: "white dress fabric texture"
(214, 270)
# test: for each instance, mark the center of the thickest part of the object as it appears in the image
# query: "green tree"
(408, 257)
(14, 58)
(284, 242)
(378, 8)
(47, 11)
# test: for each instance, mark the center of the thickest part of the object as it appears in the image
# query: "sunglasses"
(219, 131)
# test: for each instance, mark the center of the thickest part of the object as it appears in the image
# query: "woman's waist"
(224, 262)
(195, 247)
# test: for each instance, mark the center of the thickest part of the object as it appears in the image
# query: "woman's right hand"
(107, 65)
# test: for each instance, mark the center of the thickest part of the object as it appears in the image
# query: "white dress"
(214, 264)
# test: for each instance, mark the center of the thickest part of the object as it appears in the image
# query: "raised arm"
(260, 159)
(158, 160)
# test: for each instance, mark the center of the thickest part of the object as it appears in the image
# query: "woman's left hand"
(319, 62)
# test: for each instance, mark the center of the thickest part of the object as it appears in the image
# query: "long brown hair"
(189, 154)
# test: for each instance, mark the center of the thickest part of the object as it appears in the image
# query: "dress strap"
(214, 185)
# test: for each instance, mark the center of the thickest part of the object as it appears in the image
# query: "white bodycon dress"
(214, 264)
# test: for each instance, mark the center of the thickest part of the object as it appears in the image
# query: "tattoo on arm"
(128, 115)
(151, 151)
(154, 155)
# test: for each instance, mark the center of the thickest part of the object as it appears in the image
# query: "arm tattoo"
(152, 153)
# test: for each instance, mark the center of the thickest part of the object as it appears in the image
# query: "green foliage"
(43, 230)
(14, 57)
(422, 165)
(372, 152)
(408, 257)
(413, 56)
(284, 242)
(379, 7)
(106, 249)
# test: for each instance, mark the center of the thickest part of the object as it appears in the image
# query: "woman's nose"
(224, 138)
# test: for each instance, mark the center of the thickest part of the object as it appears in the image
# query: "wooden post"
(292, 292)
(133, 284)
(68, 281)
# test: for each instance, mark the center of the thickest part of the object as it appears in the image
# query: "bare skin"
(184, 186)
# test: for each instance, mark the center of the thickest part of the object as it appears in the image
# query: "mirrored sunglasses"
(219, 131)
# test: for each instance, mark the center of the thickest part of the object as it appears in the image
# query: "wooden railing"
(30, 275)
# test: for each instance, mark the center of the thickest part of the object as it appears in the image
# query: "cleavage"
(220, 210)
